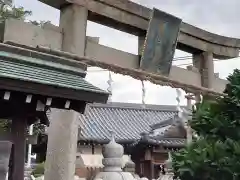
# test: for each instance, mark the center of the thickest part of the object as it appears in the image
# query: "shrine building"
(146, 133)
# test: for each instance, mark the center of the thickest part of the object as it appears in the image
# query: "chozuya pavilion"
(31, 83)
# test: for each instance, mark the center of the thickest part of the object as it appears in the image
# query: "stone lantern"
(112, 161)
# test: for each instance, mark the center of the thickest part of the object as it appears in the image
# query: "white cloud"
(217, 16)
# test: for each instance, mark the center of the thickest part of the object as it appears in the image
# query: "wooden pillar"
(147, 169)
(137, 165)
(19, 127)
(151, 169)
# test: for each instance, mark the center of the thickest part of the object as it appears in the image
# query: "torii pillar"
(63, 130)
(205, 64)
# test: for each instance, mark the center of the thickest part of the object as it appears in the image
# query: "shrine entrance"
(31, 85)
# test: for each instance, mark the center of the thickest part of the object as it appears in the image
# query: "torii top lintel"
(191, 39)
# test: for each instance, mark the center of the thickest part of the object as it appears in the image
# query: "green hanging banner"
(160, 43)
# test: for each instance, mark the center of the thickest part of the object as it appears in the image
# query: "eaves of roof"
(19, 68)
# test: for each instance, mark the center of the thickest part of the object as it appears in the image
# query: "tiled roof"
(35, 70)
(168, 132)
(40, 71)
(170, 128)
(128, 121)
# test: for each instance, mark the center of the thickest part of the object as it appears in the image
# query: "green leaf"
(215, 154)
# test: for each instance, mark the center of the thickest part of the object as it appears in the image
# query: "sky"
(217, 16)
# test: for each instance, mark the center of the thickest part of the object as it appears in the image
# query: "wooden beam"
(64, 93)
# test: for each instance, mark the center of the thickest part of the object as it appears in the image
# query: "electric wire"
(181, 58)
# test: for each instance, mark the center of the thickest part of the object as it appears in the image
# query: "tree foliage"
(215, 155)
(11, 11)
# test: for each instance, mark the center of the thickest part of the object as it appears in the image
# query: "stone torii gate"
(133, 18)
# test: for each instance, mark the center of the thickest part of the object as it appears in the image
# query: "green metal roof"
(18, 67)
(40, 62)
